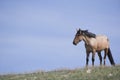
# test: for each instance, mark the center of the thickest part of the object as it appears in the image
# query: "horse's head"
(78, 36)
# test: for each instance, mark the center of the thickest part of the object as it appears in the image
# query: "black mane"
(89, 34)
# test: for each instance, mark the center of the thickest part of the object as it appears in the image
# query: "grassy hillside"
(96, 73)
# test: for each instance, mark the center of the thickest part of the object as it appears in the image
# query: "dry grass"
(96, 73)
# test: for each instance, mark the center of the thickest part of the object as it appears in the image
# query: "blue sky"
(38, 34)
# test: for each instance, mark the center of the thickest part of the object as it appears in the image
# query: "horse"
(94, 43)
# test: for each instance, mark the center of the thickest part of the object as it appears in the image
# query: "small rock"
(109, 75)
(88, 71)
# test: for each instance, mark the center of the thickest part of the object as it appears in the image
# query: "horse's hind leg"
(105, 56)
(100, 57)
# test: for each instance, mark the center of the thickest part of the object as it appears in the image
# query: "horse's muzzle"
(74, 43)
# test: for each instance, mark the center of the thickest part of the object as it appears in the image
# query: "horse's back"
(102, 42)
(101, 37)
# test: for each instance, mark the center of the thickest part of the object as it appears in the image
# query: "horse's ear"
(78, 29)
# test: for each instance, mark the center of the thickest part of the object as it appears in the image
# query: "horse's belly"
(102, 46)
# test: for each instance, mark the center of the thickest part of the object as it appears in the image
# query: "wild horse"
(94, 43)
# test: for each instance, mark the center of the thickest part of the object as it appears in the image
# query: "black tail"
(110, 57)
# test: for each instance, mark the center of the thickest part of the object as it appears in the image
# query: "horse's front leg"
(87, 58)
(100, 57)
(93, 58)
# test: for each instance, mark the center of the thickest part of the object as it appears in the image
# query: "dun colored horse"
(94, 43)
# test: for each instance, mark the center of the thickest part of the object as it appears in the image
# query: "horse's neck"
(86, 39)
